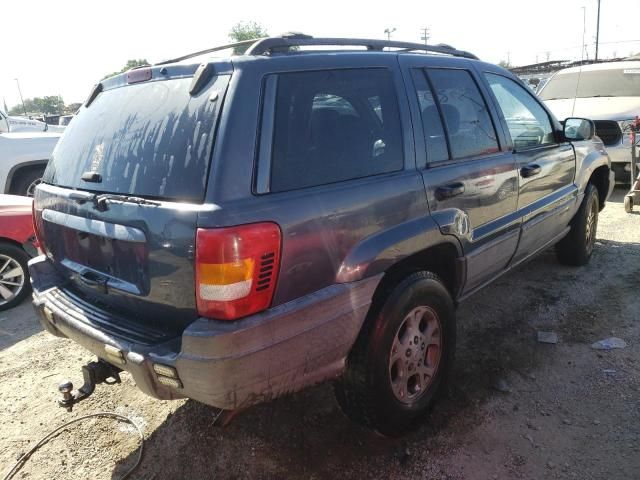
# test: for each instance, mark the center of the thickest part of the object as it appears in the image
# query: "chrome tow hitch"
(93, 373)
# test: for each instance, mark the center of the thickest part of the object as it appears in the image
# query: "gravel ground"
(516, 408)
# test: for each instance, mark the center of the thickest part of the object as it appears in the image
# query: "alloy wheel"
(12, 278)
(415, 354)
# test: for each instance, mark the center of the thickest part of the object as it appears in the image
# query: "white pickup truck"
(25, 148)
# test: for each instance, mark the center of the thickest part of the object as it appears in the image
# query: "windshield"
(598, 83)
(150, 139)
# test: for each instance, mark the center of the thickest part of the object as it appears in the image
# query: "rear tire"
(392, 380)
(25, 182)
(14, 275)
(576, 248)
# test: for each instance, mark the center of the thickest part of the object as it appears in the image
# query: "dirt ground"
(517, 409)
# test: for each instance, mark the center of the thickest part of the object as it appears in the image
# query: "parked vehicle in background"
(607, 93)
(20, 124)
(65, 120)
(17, 245)
(235, 229)
(23, 158)
(17, 124)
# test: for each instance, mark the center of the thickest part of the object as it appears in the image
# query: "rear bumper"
(620, 156)
(225, 364)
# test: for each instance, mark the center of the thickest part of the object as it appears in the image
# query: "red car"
(17, 245)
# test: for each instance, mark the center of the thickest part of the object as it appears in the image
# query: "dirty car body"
(124, 277)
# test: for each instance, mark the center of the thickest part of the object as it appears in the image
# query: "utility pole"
(388, 32)
(598, 31)
(584, 28)
(425, 35)
(21, 99)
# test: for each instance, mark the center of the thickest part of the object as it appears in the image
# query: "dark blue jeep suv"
(233, 229)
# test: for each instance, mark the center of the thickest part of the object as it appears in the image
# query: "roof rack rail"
(285, 42)
(244, 43)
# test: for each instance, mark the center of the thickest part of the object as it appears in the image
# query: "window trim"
(266, 131)
(445, 128)
(503, 119)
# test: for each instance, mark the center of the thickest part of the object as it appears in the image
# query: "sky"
(64, 47)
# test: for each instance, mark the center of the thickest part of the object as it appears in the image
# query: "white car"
(25, 148)
(609, 94)
(23, 156)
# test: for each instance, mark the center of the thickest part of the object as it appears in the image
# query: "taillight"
(236, 269)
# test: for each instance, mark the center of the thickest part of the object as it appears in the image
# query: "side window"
(334, 125)
(528, 123)
(434, 137)
(470, 129)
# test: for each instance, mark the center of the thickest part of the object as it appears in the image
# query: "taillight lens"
(236, 269)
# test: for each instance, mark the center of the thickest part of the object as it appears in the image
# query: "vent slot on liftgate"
(265, 274)
(608, 131)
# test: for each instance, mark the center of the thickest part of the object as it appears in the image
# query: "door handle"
(449, 191)
(530, 170)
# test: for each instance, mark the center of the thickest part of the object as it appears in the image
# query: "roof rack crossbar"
(275, 44)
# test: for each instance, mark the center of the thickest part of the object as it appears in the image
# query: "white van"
(609, 94)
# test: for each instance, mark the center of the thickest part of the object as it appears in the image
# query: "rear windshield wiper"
(101, 201)
(110, 197)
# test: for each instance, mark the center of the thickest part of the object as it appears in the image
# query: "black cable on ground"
(18, 465)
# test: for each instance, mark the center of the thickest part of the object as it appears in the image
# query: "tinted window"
(150, 139)
(334, 125)
(623, 82)
(528, 122)
(467, 119)
(434, 137)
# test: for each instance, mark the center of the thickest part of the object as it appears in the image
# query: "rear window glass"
(465, 113)
(334, 125)
(151, 139)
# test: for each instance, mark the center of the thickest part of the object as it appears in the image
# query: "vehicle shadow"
(17, 324)
(306, 436)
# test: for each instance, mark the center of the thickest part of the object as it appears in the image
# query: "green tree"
(505, 63)
(242, 31)
(50, 105)
(141, 62)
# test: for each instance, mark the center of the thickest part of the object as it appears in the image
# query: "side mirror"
(576, 129)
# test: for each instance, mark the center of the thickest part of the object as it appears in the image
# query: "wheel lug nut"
(408, 352)
(423, 346)
(415, 339)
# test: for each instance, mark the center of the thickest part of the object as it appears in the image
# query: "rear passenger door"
(336, 169)
(471, 181)
(546, 168)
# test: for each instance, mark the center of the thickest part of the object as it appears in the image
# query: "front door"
(546, 168)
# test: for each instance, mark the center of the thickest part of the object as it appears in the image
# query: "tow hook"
(93, 373)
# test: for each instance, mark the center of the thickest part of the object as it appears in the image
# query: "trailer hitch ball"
(93, 374)
(65, 388)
